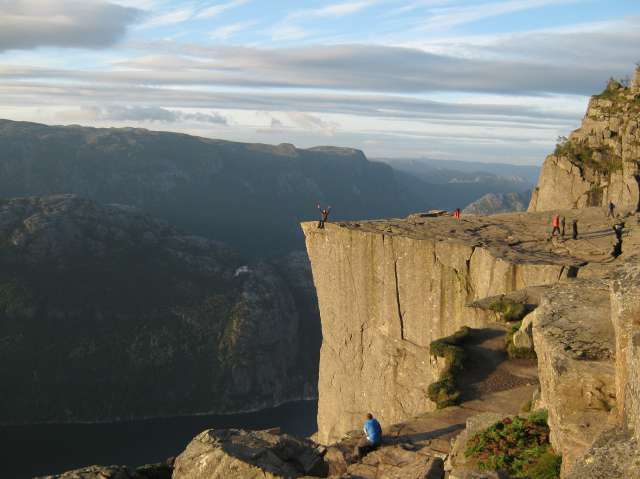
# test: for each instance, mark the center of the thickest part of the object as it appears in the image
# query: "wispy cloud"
(215, 10)
(170, 18)
(332, 10)
(449, 17)
(227, 31)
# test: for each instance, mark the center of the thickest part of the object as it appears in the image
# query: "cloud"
(227, 31)
(449, 17)
(121, 113)
(215, 10)
(311, 122)
(27, 24)
(332, 10)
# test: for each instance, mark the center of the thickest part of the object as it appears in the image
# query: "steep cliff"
(107, 313)
(386, 289)
(598, 162)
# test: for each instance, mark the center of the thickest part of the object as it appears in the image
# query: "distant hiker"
(372, 439)
(612, 208)
(456, 213)
(324, 215)
(562, 225)
(555, 223)
(574, 229)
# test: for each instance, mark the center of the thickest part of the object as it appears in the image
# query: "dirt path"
(488, 369)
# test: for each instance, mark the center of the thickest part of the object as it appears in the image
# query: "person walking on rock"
(456, 213)
(574, 229)
(612, 209)
(372, 439)
(562, 225)
(324, 215)
(555, 223)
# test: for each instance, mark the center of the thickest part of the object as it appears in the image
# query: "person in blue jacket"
(372, 439)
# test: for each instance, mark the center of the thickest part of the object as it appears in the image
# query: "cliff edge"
(387, 289)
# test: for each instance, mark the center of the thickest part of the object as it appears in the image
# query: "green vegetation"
(513, 351)
(445, 392)
(612, 91)
(599, 159)
(518, 446)
(509, 310)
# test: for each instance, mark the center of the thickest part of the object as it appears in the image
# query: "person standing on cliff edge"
(372, 439)
(324, 215)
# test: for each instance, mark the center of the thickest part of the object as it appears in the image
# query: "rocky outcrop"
(225, 453)
(598, 163)
(106, 298)
(616, 452)
(574, 341)
(386, 289)
(150, 471)
(493, 203)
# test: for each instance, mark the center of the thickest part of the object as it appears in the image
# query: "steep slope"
(107, 313)
(598, 163)
(219, 189)
(493, 203)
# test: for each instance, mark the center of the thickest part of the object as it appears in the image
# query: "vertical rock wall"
(383, 299)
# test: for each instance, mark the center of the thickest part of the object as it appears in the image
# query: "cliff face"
(106, 298)
(387, 289)
(598, 163)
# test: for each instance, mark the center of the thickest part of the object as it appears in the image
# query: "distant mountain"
(493, 203)
(107, 313)
(452, 171)
(251, 196)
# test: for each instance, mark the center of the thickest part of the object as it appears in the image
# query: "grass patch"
(599, 159)
(512, 350)
(508, 309)
(518, 446)
(445, 392)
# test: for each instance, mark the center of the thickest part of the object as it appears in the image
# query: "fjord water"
(35, 450)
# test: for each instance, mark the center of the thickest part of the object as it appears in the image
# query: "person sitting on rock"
(372, 439)
(555, 223)
(324, 215)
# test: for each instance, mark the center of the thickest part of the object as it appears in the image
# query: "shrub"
(582, 154)
(518, 446)
(444, 392)
(508, 309)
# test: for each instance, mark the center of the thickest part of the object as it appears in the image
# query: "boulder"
(225, 453)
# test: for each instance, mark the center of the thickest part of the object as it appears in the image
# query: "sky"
(482, 80)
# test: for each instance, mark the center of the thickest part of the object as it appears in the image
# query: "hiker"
(372, 439)
(574, 229)
(324, 215)
(555, 222)
(456, 213)
(612, 208)
(562, 225)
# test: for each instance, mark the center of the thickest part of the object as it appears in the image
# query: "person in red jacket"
(555, 223)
